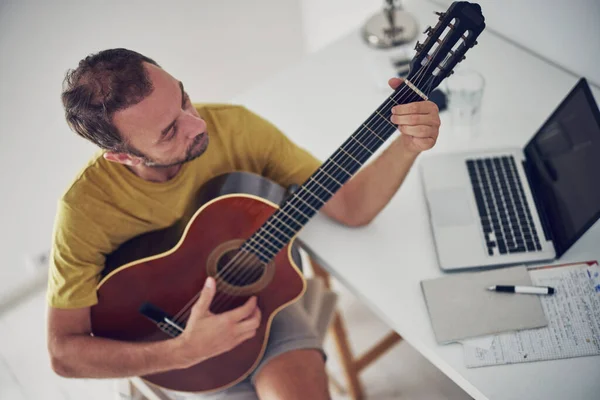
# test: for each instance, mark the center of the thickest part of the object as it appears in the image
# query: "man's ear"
(122, 158)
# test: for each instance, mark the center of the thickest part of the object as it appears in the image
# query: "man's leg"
(296, 374)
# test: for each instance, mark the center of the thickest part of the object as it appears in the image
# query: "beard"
(194, 151)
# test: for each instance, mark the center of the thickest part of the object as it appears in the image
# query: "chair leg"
(352, 366)
(337, 386)
(341, 340)
(377, 351)
(347, 358)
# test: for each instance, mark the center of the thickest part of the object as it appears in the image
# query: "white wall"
(567, 32)
(325, 20)
(218, 48)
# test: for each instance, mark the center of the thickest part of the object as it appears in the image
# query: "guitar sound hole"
(239, 270)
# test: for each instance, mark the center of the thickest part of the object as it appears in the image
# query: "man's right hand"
(207, 335)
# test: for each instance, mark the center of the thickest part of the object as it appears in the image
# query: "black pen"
(522, 289)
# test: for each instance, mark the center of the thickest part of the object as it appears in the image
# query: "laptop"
(515, 206)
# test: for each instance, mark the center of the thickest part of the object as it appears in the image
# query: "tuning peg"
(440, 14)
(429, 30)
(475, 44)
(450, 73)
(418, 47)
(463, 58)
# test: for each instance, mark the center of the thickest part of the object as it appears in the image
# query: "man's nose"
(193, 125)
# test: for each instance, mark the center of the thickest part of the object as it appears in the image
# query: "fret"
(299, 208)
(340, 167)
(314, 195)
(332, 178)
(276, 221)
(327, 183)
(317, 182)
(386, 120)
(359, 163)
(373, 132)
(308, 204)
(263, 229)
(290, 228)
(302, 215)
(347, 163)
(290, 213)
(285, 235)
(300, 211)
(395, 101)
(298, 198)
(258, 251)
(281, 236)
(403, 98)
(357, 141)
(267, 246)
(368, 143)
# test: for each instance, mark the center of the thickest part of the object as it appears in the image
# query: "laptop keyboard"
(505, 217)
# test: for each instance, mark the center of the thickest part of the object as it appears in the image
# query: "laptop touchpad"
(450, 206)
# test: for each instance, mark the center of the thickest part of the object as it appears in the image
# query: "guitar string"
(218, 304)
(228, 270)
(362, 152)
(429, 88)
(325, 188)
(393, 98)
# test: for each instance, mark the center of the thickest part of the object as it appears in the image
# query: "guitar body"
(234, 206)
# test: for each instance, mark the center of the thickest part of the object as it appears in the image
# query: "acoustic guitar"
(244, 230)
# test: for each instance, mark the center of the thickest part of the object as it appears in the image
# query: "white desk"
(320, 102)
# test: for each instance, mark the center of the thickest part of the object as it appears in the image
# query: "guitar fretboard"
(299, 208)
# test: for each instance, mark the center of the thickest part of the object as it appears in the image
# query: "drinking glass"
(464, 91)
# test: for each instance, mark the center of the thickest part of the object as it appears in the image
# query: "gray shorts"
(290, 330)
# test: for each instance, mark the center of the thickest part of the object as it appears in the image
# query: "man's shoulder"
(89, 180)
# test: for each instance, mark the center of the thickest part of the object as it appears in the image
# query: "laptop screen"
(564, 167)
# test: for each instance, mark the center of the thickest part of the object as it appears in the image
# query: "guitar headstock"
(446, 45)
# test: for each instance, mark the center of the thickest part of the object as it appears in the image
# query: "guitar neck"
(446, 44)
(299, 208)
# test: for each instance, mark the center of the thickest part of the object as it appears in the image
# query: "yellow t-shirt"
(107, 204)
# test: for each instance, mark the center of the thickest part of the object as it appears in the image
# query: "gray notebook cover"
(460, 306)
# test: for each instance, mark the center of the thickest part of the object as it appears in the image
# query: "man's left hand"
(418, 122)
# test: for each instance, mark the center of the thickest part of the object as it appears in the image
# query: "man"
(157, 149)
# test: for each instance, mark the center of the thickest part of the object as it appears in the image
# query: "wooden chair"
(352, 365)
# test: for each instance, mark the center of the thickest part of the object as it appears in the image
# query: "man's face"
(164, 127)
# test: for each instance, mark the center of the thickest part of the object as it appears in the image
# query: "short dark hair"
(103, 83)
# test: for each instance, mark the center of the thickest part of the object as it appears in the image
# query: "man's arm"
(75, 353)
(367, 193)
(370, 190)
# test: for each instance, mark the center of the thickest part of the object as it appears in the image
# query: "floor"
(218, 49)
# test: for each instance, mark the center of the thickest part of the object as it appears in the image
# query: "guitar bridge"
(163, 320)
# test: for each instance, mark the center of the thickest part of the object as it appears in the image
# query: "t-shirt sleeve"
(75, 260)
(282, 160)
